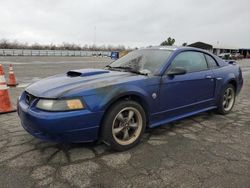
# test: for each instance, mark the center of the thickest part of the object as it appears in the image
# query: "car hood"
(76, 81)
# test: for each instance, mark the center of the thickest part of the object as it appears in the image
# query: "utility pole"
(95, 34)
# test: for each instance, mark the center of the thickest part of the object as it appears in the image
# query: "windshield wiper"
(108, 67)
(129, 69)
(122, 67)
(138, 72)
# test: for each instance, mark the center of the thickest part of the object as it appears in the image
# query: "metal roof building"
(202, 45)
(216, 48)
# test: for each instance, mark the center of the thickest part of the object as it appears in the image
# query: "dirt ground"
(206, 150)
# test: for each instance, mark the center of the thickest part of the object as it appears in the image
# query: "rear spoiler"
(232, 62)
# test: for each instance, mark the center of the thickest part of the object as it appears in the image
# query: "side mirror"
(176, 71)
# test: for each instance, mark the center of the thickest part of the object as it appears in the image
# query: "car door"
(190, 92)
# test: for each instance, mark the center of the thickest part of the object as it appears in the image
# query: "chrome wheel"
(228, 99)
(127, 126)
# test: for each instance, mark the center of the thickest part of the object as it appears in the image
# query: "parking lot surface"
(206, 150)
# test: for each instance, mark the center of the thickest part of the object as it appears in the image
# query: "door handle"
(209, 77)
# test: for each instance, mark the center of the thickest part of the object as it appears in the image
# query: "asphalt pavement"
(206, 150)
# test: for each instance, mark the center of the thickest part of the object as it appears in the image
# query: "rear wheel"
(227, 99)
(124, 125)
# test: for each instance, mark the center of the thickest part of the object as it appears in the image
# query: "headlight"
(60, 105)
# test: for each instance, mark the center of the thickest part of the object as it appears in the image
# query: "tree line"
(5, 44)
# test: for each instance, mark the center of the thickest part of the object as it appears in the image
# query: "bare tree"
(5, 44)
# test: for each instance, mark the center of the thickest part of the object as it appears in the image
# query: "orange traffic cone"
(12, 79)
(5, 104)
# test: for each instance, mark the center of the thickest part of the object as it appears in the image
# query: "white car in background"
(225, 56)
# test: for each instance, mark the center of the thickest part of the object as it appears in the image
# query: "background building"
(219, 49)
(245, 52)
(202, 45)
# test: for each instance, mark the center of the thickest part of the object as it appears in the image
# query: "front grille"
(29, 98)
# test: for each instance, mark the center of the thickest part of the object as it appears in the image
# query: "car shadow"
(159, 133)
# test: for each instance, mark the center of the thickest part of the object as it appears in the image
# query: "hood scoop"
(86, 72)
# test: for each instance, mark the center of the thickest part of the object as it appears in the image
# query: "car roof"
(177, 49)
(172, 48)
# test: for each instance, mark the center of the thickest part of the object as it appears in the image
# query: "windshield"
(146, 61)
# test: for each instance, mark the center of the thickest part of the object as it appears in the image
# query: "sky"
(132, 23)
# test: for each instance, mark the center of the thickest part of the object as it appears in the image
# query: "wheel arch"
(229, 79)
(220, 108)
(125, 96)
(233, 82)
(129, 96)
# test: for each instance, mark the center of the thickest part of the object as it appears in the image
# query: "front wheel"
(123, 125)
(227, 99)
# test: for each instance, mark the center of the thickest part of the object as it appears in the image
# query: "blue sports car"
(146, 88)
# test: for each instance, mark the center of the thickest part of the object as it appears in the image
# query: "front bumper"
(69, 127)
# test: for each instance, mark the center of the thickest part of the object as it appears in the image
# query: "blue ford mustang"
(146, 88)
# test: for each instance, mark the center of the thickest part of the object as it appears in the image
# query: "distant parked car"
(225, 56)
(237, 56)
(115, 55)
(145, 88)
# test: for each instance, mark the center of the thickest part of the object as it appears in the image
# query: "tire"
(123, 126)
(226, 103)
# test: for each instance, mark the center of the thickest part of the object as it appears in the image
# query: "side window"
(211, 62)
(191, 61)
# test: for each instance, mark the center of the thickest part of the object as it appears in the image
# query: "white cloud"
(134, 23)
